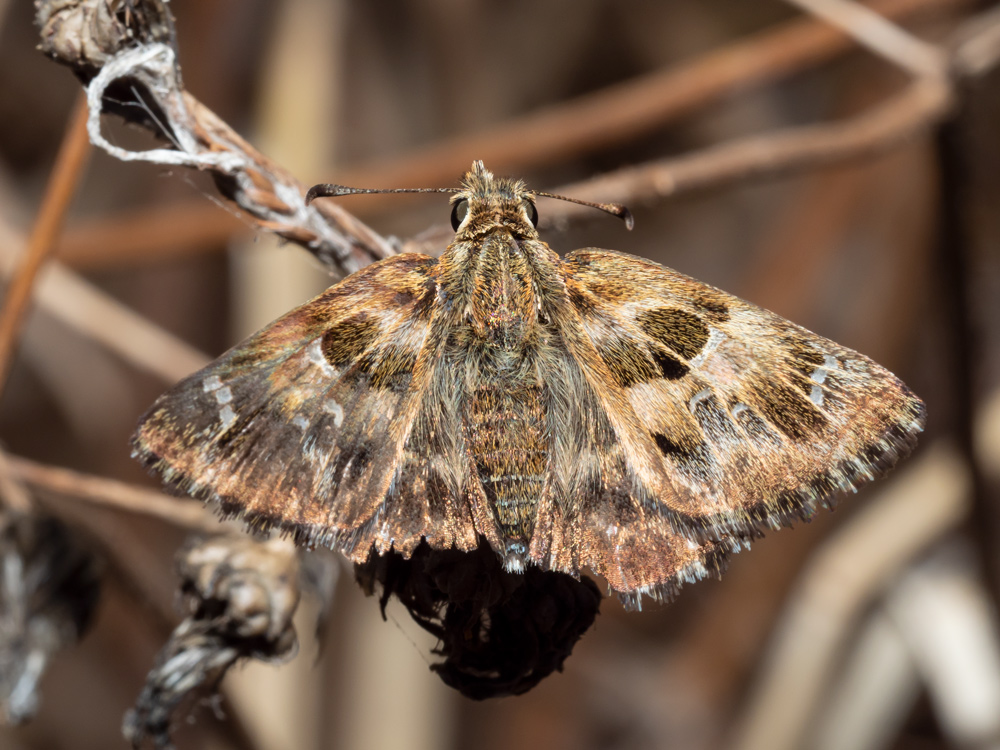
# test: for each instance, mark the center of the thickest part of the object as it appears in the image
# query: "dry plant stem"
(152, 234)
(13, 495)
(875, 692)
(137, 568)
(187, 514)
(915, 110)
(62, 185)
(927, 102)
(627, 110)
(976, 47)
(140, 574)
(953, 263)
(578, 126)
(949, 623)
(94, 314)
(268, 193)
(878, 34)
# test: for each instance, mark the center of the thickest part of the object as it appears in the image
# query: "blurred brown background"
(873, 627)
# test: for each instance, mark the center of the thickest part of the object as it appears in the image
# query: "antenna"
(329, 190)
(615, 209)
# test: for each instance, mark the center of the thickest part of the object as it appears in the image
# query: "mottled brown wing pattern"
(302, 427)
(435, 494)
(594, 513)
(757, 422)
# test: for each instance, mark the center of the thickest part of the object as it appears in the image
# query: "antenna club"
(625, 215)
(325, 190)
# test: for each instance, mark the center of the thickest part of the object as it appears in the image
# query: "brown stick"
(13, 494)
(62, 185)
(778, 153)
(109, 493)
(627, 110)
(96, 315)
(879, 34)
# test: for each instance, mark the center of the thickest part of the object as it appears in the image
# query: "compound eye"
(529, 209)
(458, 213)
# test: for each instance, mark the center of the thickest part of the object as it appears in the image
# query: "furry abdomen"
(505, 410)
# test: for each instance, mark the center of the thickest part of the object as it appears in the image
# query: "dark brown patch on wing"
(805, 358)
(628, 361)
(712, 305)
(583, 304)
(358, 462)
(670, 367)
(389, 367)
(234, 436)
(690, 458)
(785, 408)
(421, 295)
(681, 331)
(347, 340)
(631, 362)
(753, 425)
(667, 446)
(610, 288)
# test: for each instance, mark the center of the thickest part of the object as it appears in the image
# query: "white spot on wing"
(819, 375)
(227, 416)
(223, 395)
(211, 383)
(698, 398)
(816, 395)
(315, 353)
(332, 407)
(715, 337)
(301, 422)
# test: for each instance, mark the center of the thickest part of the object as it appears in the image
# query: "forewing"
(737, 419)
(303, 426)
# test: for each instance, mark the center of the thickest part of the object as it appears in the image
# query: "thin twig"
(62, 184)
(94, 314)
(187, 514)
(949, 623)
(627, 110)
(976, 44)
(879, 35)
(13, 494)
(779, 153)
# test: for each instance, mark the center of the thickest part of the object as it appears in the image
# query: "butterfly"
(593, 411)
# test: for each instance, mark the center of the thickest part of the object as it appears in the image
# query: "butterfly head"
(485, 204)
